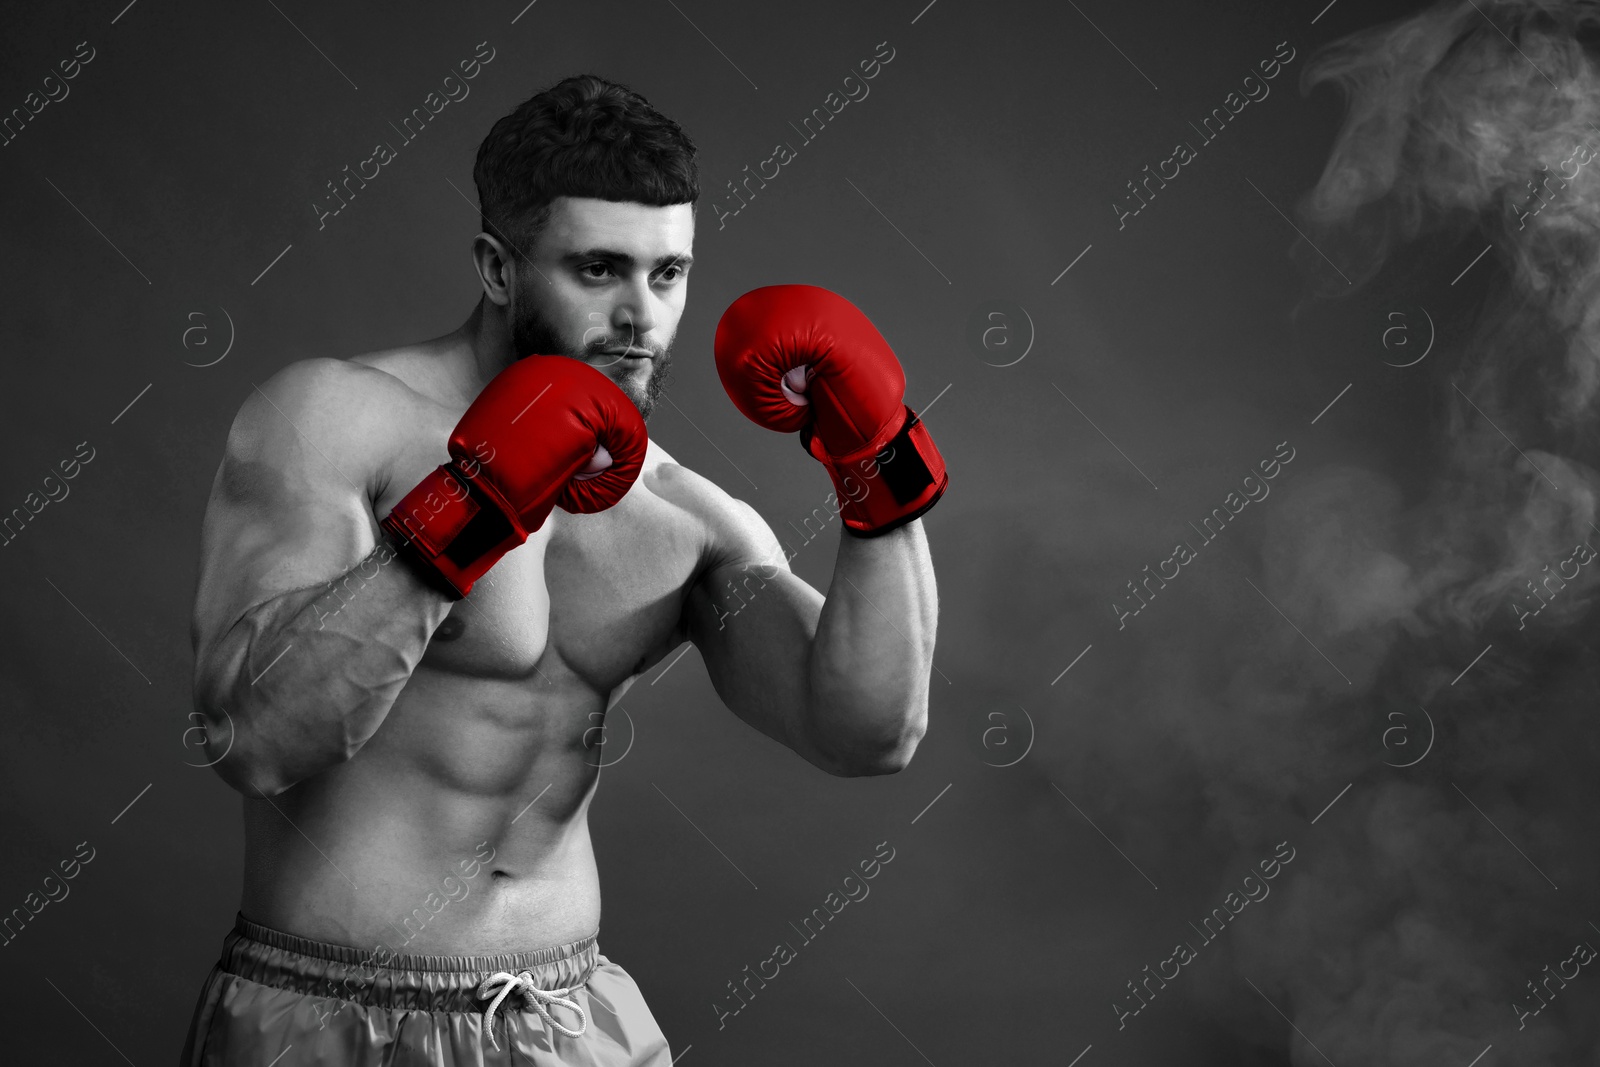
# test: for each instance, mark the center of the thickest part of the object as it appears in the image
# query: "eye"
(676, 272)
(604, 268)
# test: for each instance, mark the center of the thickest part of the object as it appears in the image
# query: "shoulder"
(417, 367)
(730, 529)
(325, 391)
(320, 409)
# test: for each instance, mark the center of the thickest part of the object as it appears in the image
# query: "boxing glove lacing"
(502, 984)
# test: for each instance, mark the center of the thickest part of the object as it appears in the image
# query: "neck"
(484, 346)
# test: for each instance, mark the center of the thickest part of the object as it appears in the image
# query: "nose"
(634, 315)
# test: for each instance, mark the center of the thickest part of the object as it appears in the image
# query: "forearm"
(873, 651)
(302, 681)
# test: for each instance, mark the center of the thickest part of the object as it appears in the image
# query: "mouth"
(635, 355)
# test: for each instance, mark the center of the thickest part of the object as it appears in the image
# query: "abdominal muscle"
(460, 828)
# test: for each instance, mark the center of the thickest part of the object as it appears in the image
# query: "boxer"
(427, 572)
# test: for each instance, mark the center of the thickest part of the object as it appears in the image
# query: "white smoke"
(1410, 925)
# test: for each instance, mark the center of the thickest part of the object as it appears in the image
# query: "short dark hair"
(584, 136)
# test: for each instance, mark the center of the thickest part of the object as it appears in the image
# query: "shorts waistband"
(382, 978)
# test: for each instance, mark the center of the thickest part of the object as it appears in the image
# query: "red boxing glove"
(547, 431)
(796, 357)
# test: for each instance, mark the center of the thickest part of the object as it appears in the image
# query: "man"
(427, 572)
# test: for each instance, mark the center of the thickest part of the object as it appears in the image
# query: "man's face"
(608, 287)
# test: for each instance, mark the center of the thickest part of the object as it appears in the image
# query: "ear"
(497, 269)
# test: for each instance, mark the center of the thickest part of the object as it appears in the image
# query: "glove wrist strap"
(881, 489)
(454, 527)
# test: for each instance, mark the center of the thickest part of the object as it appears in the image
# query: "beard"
(533, 334)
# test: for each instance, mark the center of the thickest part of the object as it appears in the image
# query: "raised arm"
(843, 681)
(305, 629)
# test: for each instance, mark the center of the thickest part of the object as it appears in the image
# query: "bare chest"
(590, 600)
(595, 596)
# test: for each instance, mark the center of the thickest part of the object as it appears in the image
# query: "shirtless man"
(417, 765)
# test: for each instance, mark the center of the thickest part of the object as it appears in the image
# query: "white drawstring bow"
(502, 984)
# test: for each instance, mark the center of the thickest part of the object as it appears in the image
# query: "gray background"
(1173, 756)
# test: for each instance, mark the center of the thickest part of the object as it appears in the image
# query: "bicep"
(754, 620)
(289, 506)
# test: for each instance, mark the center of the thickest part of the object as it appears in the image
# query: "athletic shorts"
(277, 1000)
